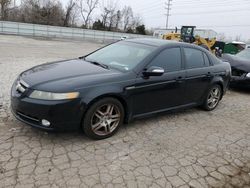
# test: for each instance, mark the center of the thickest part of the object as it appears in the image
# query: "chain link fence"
(36, 30)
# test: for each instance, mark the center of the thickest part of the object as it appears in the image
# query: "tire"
(103, 118)
(212, 98)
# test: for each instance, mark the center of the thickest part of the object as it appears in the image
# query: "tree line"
(90, 14)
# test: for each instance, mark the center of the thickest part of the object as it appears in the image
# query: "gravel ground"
(191, 148)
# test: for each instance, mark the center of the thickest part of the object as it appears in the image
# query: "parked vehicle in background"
(234, 47)
(240, 64)
(123, 37)
(188, 34)
(115, 84)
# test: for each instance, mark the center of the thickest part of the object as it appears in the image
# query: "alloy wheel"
(213, 97)
(105, 119)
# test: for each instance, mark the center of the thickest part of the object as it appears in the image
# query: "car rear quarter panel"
(222, 75)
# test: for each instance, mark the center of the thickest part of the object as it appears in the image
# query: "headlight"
(248, 75)
(53, 96)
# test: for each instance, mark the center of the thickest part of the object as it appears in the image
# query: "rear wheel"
(213, 98)
(103, 118)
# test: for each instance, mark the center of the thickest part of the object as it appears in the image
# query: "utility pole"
(167, 7)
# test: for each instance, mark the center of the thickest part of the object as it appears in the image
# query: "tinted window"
(169, 59)
(194, 58)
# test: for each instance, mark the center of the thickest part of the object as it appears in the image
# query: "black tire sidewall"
(87, 118)
(205, 104)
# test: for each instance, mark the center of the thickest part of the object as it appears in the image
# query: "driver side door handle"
(179, 79)
(209, 74)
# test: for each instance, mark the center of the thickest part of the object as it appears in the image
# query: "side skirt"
(139, 116)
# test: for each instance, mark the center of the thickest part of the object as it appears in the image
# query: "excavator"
(187, 35)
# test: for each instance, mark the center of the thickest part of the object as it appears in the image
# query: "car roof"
(159, 42)
(152, 41)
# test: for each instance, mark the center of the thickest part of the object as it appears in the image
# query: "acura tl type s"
(115, 84)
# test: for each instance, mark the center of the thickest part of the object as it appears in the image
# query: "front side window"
(123, 56)
(194, 58)
(169, 60)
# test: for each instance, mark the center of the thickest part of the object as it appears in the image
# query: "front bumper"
(62, 115)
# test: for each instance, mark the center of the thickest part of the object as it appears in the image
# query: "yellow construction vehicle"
(187, 35)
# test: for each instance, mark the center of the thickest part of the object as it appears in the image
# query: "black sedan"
(115, 84)
(240, 64)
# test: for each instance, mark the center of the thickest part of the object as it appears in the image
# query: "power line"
(224, 26)
(167, 7)
(209, 2)
(193, 3)
(208, 5)
(209, 12)
(159, 7)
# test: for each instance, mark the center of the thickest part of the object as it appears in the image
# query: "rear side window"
(169, 60)
(194, 58)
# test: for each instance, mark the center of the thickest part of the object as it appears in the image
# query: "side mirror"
(153, 71)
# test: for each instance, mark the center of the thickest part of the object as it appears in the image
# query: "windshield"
(245, 54)
(121, 55)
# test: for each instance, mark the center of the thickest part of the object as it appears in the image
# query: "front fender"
(117, 91)
(92, 94)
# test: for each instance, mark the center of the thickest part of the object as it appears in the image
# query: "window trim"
(209, 62)
(185, 58)
(181, 55)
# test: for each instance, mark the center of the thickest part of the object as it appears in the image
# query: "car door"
(198, 74)
(157, 93)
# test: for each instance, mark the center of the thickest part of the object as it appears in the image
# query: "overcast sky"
(231, 17)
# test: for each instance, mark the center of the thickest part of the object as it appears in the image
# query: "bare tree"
(47, 12)
(74, 16)
(4, 8)
(136, 21)
(105, 15)
(118, 18)
(51, 12)
(69, 14)
(127, 14)
(112, 8)
(86, 8)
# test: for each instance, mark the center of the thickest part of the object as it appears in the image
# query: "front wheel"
(103, 118)
(213, 98)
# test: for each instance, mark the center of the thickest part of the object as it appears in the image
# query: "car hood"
(236, 62)
(66, 75)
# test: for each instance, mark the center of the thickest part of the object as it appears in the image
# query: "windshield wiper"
(98, 64)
